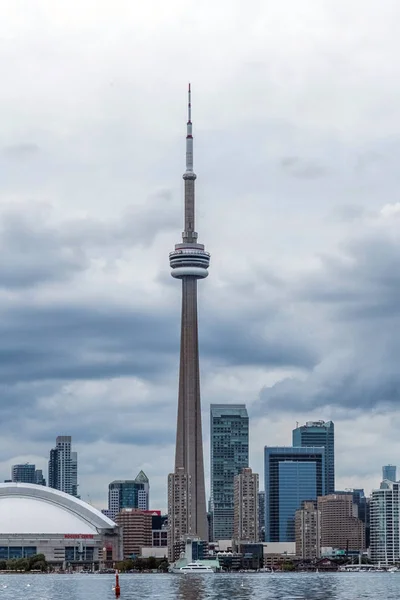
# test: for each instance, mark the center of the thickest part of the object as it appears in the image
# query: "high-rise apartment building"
(53, 469)
(261, 516)
(245, 522)
(362, 503)
(63, 466)
(39, 478)
(389, 472)
(340, 526)
(128, 493)
(385, 524)
(74, 473)
(136, 526)
(27, 473)
(23, 473)
(187, 514)
(322, 434)
(308, 531)
(292, 475)
(229, 439)
(144, 491)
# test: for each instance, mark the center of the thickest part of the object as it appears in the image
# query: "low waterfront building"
(154, 551)
(135, 526)
(275, 553)
(35, 519)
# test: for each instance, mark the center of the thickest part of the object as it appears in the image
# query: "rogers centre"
(35, 519)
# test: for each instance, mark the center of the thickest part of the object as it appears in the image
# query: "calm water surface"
(313, 586)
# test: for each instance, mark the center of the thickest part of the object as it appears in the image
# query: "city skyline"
(103, 499)
(296, 142)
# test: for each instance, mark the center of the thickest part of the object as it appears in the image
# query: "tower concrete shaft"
(189, 262)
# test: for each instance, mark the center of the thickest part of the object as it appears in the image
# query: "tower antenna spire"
(189, 105)
(189, 138)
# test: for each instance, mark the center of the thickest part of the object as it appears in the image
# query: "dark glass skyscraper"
(128, 493)
(319, 433)
(292, 475)
(389, 472)
(261, 516)
(229, 439)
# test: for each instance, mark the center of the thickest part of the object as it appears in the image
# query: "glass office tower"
(389, 473)
(229, 440)
(319, 433)
(292, 475)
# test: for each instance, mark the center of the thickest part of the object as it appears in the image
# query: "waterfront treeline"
(37, 562)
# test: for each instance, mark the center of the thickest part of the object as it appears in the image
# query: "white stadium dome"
(37, 519)
(28, 508)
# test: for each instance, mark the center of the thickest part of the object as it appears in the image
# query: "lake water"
(296, 586)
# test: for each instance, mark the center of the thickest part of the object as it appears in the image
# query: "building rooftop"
(228, 409)
(142, 477)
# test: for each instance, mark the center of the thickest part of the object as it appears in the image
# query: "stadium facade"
(69, 532)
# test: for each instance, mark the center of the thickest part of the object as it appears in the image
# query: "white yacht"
(195, 568)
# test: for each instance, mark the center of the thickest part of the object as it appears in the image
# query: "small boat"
(194, 568)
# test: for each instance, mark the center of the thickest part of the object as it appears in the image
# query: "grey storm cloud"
(356, 299)
(45, 340)
(83, 342)
(21, 151)
(303, 168)
(248, 342)
(36, 250)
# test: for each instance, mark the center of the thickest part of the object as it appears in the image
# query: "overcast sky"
(296, 110)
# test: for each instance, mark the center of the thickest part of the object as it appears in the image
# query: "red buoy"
(117, 588)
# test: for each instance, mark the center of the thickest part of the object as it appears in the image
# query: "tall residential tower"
(63, 466)
(245, 522)
(189, 262)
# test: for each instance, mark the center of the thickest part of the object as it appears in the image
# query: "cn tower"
(189, 262)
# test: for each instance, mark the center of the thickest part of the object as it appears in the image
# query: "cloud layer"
(297, 133)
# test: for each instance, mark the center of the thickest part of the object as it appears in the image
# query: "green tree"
(163, 566)
(151, 563)
(11, 564)
(40, 565)
(38, 562)
(139, 564)
(22, 564)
